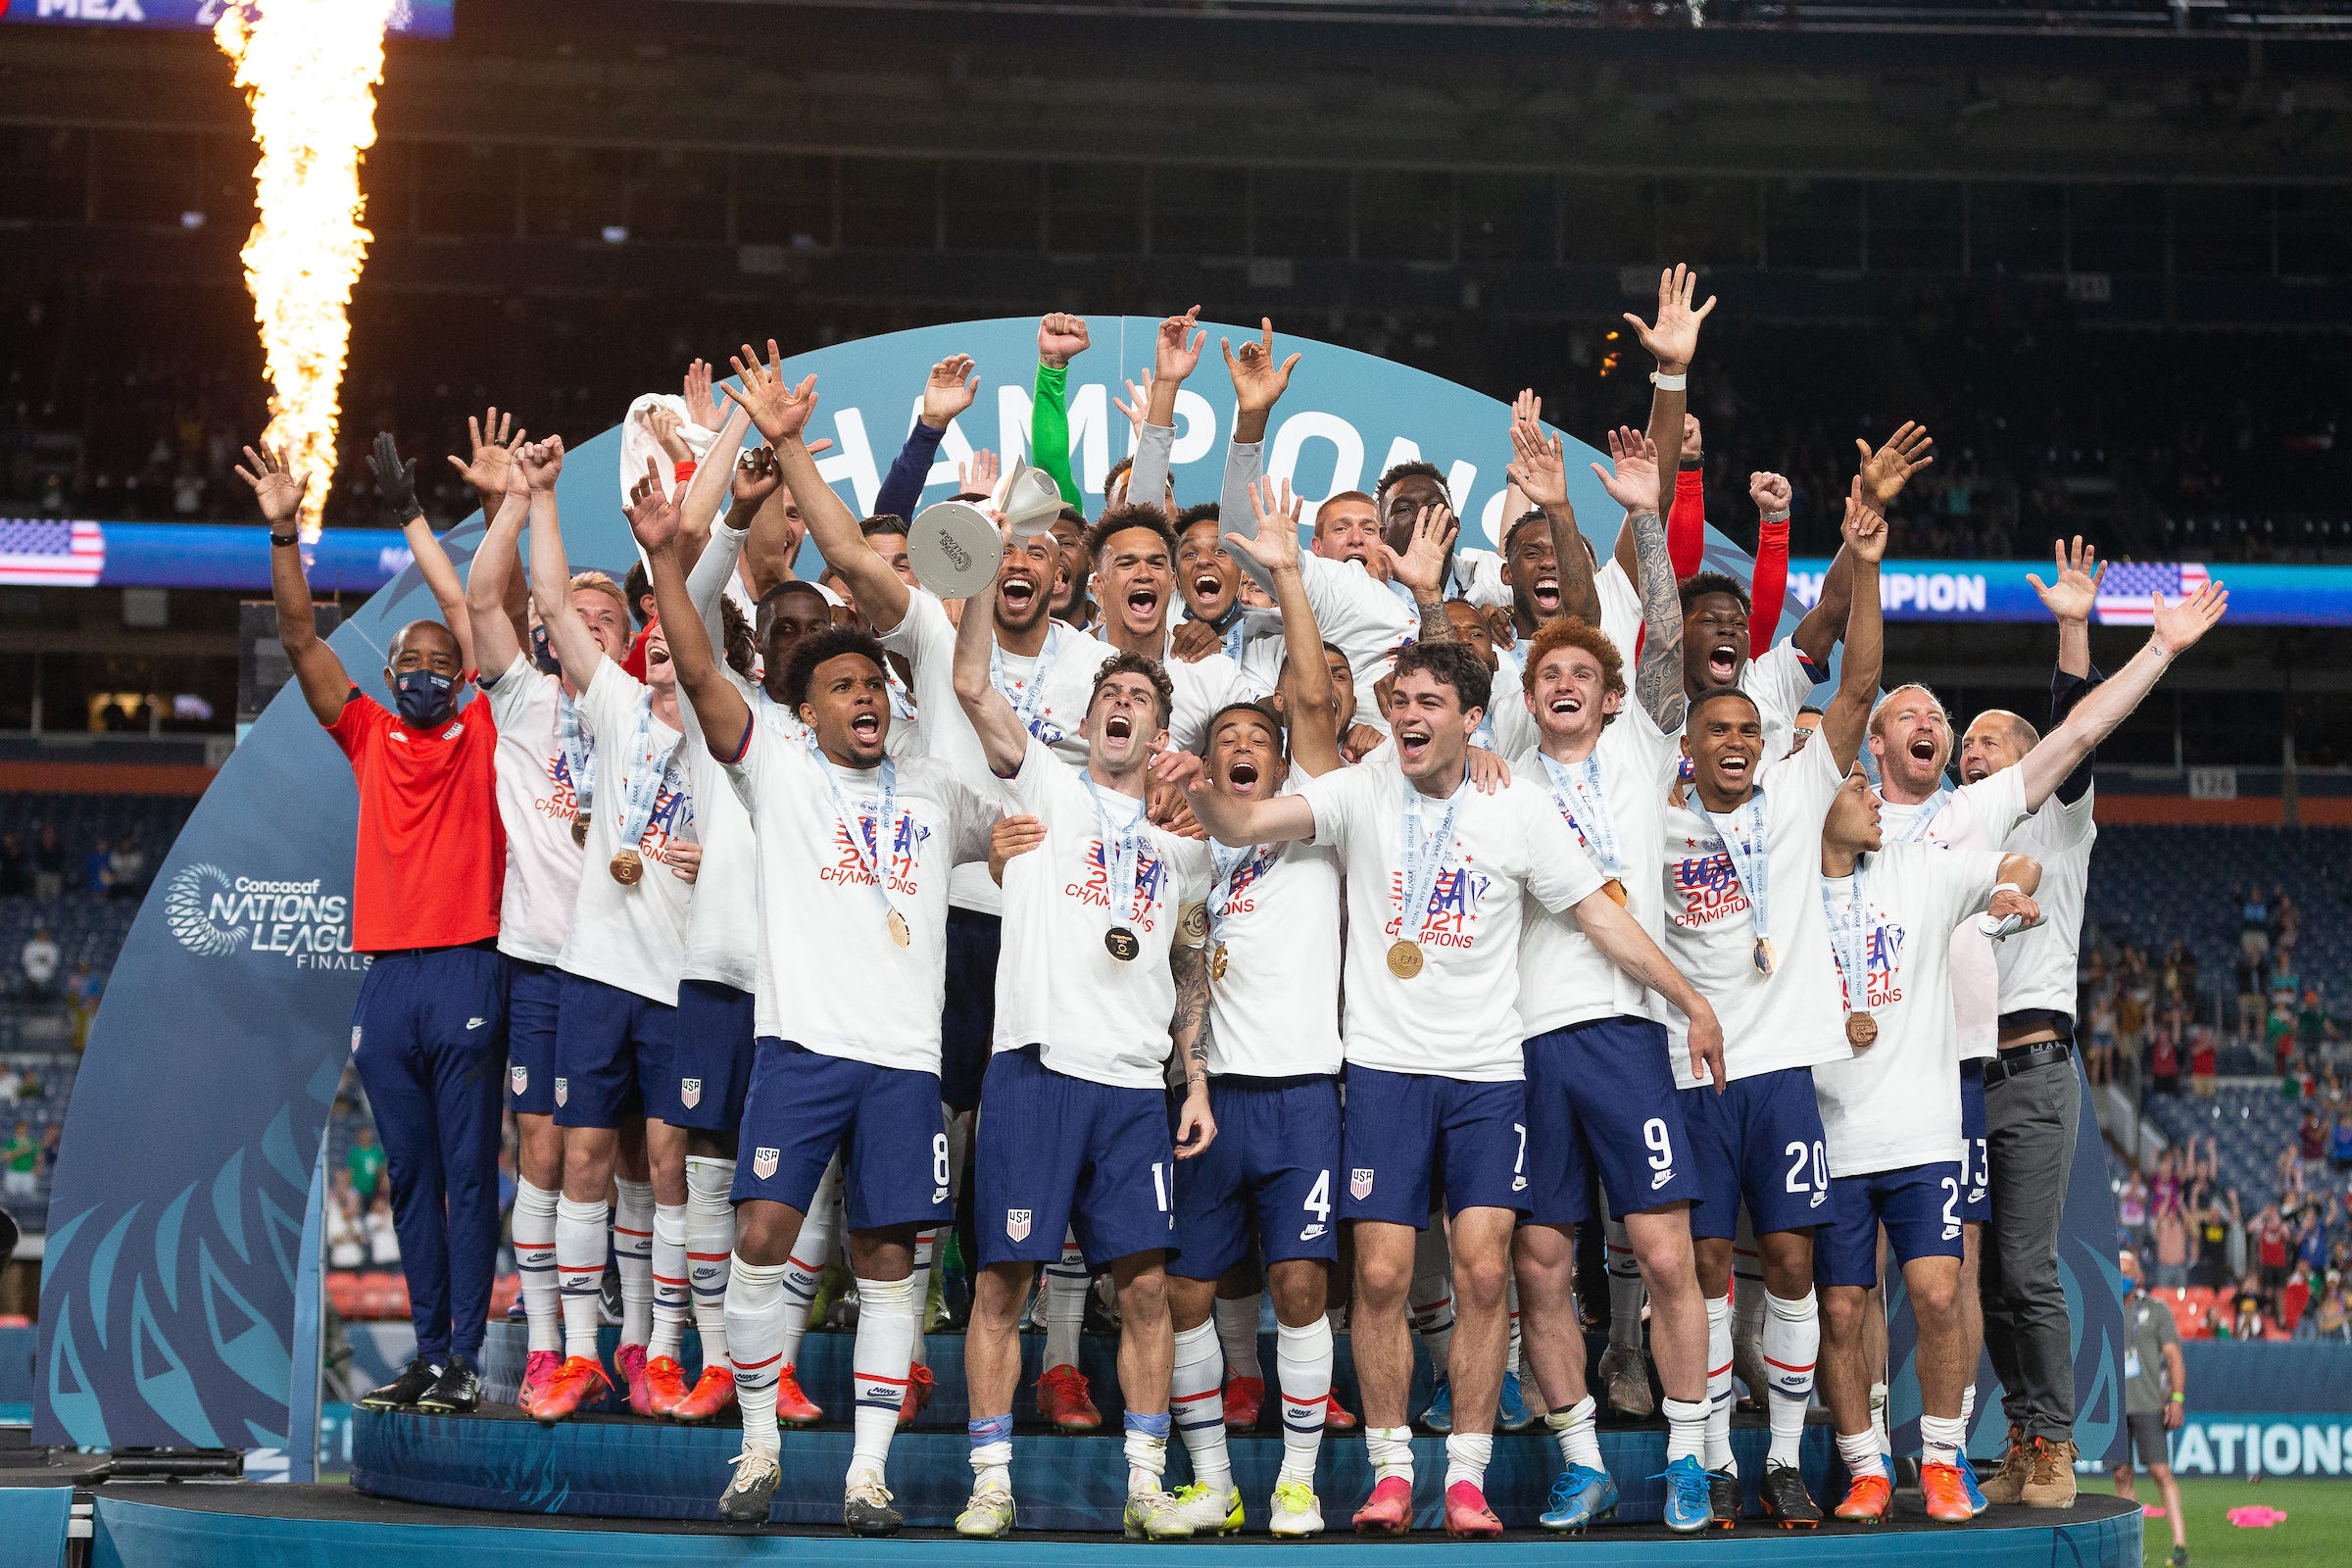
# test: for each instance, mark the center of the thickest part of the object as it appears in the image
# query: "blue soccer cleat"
(1689, 1495)
(1977, 1499)
(1581, 1497)
(1439, 1417)
(1510, 1407)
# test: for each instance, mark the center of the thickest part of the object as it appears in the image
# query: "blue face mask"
(426, 697)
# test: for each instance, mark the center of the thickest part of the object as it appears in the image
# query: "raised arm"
(551, 570)
(492, 576)
(279, 490)
(396, 484)
(1422, 569)
(1314, 701)
(1176, 353)
(725, 718)
(1539, 469)
(697, 508)
(754, 479)
(948, 392)
(1672, 342)
(1884, 473)
(2069, 598)
(2175, 629)
(1768, 585)
(1257, 385)
(1658, 668)
(1003, 739)
(1060, 338)
(1848, 712)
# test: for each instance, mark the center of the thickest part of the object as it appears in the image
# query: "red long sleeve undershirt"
(1687, 544)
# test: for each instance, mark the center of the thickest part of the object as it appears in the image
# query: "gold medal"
(1860, 1030)
(899, 932)
(1615, 889)
(579, 831)
(1216, 962)
(1121, 944)
(1763, 956)
(1404, 958)
(1192, 926)
(627, 868)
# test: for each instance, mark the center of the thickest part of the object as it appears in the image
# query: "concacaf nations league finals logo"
(213, 914)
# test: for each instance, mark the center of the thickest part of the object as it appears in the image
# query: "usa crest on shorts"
(1359, 1184)
(519, 1078)
(1016, 1224)
(763, 1163)
(690, 1092)
(562, 1090)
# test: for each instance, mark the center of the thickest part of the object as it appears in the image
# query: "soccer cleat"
(1468, 1516)
(1786, 1502)
(580, 1380)
(1723, 1498)
(865, 1510)
(1581, 1497)
(1210, 1513)
(712, 1392)
(537, 1368)
(2051, 1483)
(458, 1391)
(2179, 1559)
(792, 1408)
(1511, 1414)
(1062, 1401)
(665, 1386)
(1245, 1402)
(1155, 1516)
(629, 1362)
(2007, 1484)
(1968, 1485)
(751, 1489)
(1689, 1499)
(918, 1394)
(1870, 1501)
(1388, 1511)
(1946, 1497)
(1439, 1417)
(405, 1390)
(1295, 1512)
(987, 1514)
(1337, 1417)
(1625, 1374)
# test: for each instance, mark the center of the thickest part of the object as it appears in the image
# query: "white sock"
(580, 1269)
(1719, 1384)
(1791, 1344)
(671, 1294)
(1466, 1457)
(804, 1266)
(1860, 1451)
(1940, 1438)
(534, 1235)
(710, 1245)
(1302, 1366)
(1195, 1400)
(1686, 1428)
(1066, 1305)
(1237, 1323)
(1511, 1297)
(1391, 1452)
(1578, 1438)
(633, 1250)
(991, 1451)
(1627, 1293)
(756, 1347)
(1747, 1295)
(1877, 1418)
(1147, 1452)
(1431, 1301)
(926, 1265)
(1968, 1407)
(887, 1313)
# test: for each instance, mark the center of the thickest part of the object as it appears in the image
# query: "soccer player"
(1891, 1129)
(853, 852)
(1076, 1130)
(1601, 1094)
(621, 963)
(1744, 919)
(429, 1032)
(1437, 875)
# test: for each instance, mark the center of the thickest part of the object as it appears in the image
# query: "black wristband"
(1687, 462)
(281, 540)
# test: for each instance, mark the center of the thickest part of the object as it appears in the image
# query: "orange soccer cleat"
(629, 1362)
(1245, 1402)
(918, 1394)
(665, 1386)
(1337, 1417)
(579, 1381)
(1468, 1516)
(710, 1397)
(792, 1408)
(1388, 1511)
(1869, 1501)
(537, 1369)
(1062, 1400)
(1946, 1493)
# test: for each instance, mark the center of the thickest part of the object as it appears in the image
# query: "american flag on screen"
(2124, 592)
(39, 552)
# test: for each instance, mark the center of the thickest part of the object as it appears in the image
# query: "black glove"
(395, 480)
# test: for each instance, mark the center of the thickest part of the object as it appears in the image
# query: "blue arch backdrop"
(169, 1288)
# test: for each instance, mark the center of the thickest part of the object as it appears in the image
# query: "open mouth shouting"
(866, 729)
(1723, 662)
(1118, 726)
(1413, 739)
(1242, 775)
(1735, 767)
(1018, 593)
(1923, 746)
(1143, 606)
(1565, 705)
(1207, 586)
(1547, 596)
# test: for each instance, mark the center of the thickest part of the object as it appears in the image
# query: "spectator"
(2132, 1211)
(2246, 1321)
(127, 867)
(40, 959)
(48, 864)
(98, 870)
(83, 988)
(2294, 1299)
(21, 1178)
(383, 1243)
(2172, 1247)
(2339, 1141)
(15, 867)
(2164, 1062)
(2180, 977)
(346, 1230)
(2271, 1249)
(2099, 1063)
(365, 1164)
(12, 1083)
(2253, 924)
(50, 1136)
(2311, 1025)
(2249, 997)
(2330, 1316)
(2203, 1064)
(2311, 1138)
(2165, 1190)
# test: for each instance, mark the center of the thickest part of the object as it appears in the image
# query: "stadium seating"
(2153, 886)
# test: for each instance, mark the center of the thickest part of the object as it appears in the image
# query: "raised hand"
(1691, 436)
(2075, 591)
(1276, 547)
(1634, 458)
(1176, 353)
(492, 442)
(278, 488)
(700, 407)
(666, 427)
(1526, 409)
(1257, 382)
(1675, 337)
(979, 476)
(950, 390)
(2177, 627)
(1422, 566)
(395, 480)
(1771, 494)
(1886, 470)
(1864, 529)
(1060, 338)
(653, 514)
(754, 481)
(1539, 467)
(1137, 404)
(780, 412)
(541, 461)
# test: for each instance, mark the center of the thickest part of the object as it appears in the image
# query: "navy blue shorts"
(1409, 1134)
(968, 1020)
(710, 1057)
(1919, 1205)
(612, 1054)
(1975, 1168)
(1267, 1173)
(533, 990)
(1759, 1140)
(1602, 1102)
(1058, 1154)
(803, 1104)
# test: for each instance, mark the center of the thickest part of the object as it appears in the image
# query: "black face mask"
(426, 697)
(542, 655)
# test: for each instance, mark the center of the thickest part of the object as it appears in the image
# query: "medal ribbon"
(645, 769)
(1748, 844)
(1424, 858)
(1916, 829)
(1122, 851)
(1576, 789)
(1849, 935)
(578, 748)
(1030, 705)
(1228, 865)
(865, 835)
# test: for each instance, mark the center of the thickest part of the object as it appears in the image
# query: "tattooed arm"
(1189, 1027)
(1658, 673)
